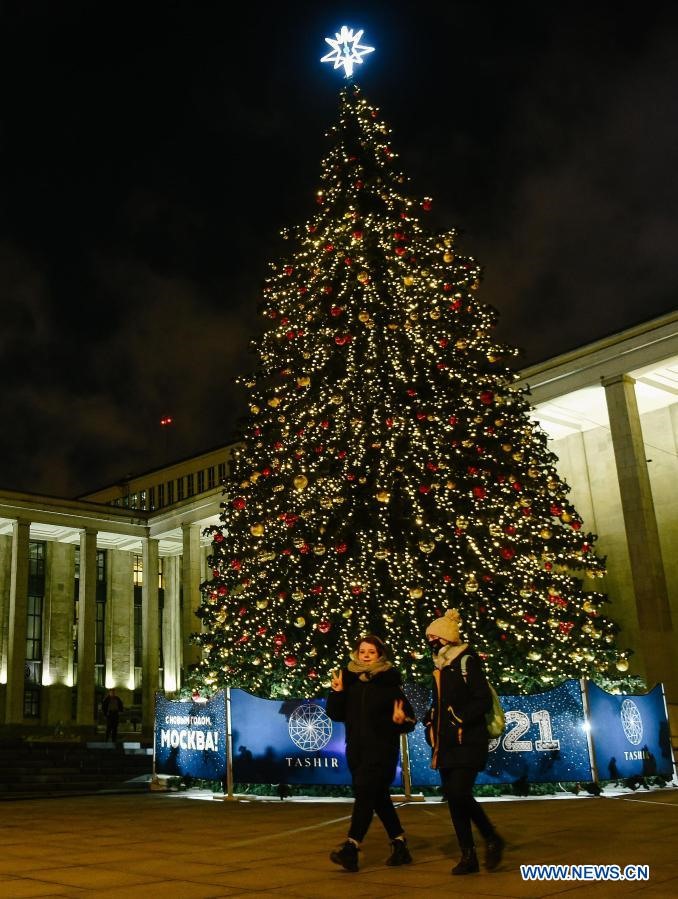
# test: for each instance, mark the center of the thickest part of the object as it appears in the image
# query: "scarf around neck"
(367, 672)
(448, 654)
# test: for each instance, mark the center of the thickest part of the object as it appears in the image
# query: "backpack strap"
(464, 666)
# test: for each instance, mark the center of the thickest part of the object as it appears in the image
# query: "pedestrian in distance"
(367, 696)
(457, 733)
(111, 707)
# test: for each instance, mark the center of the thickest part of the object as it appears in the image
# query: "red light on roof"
(167, 420)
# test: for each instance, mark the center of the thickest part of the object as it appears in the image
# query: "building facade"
(101, 591)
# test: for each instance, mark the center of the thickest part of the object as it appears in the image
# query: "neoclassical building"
(101, 590)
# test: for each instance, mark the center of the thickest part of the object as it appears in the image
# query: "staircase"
(32, 769)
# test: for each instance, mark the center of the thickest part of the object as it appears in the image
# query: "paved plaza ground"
(168, 845)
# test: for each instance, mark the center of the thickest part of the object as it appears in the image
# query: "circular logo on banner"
(309, 727)
(631, 721)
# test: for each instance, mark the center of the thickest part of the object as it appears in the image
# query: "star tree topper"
(347, 50)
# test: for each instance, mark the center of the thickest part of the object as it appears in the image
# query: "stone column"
(657, 637)
(190, 581)
(16, 642)
(172, 624)
(58, 633)
(150, 631)
(86, 713)
(120, 654)
(5, 577)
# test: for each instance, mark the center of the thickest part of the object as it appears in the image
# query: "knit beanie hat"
(446, 627)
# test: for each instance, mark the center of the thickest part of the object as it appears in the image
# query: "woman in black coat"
(457, 733)
(367, 697)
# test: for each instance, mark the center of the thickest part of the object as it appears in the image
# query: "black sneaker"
(400, 854)
(494, 850)
(347, 856)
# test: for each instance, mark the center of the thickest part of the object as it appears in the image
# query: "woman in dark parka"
(457, 733)
(367, 697)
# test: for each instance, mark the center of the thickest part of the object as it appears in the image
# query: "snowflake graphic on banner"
(631, 721)
(309, 727)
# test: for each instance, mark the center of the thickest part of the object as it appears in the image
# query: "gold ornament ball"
(256, 660)
(545, 534)
(274, 402)
(426, 546)
(256, 530)
(408, 280)
(448, 257)
(347, 613)
(363, 277)
(254, 410)
(416, 592)
(383, 496)
(471, 585)
(300, 622)
(622, 664)
(303, 381)
(363, 316)
(262, 603)
(319, 549)
(300, 482)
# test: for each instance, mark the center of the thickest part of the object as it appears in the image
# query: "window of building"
(151, 498)
(210, 477)
(137, 570)
(142, 499)
(34, 628)
(170, 492)
(100, 622)
(161, 495)
(190, 484)
(180, 488)
(222, 471)
(201, 481)
(134, 501)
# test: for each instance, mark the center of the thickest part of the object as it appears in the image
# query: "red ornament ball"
(291, 661)
(487, 397)
(239, 503)
(324, 626)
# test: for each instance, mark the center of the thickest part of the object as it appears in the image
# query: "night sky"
(152, 152)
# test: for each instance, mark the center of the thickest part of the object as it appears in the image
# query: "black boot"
(494, 850)
(400, 854)
(347, 856)
(468, 863)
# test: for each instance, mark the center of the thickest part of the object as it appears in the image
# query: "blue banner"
(630, 734)
(190, 737)
(286, 741)
(544, 740)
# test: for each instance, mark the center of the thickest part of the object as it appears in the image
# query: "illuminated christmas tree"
(389, 470)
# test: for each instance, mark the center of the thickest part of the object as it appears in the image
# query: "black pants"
(458, 786)
(368, 800)
(112, 726)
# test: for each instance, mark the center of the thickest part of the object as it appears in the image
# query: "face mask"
(435, 646)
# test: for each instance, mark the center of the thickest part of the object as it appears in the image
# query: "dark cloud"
(150, 155)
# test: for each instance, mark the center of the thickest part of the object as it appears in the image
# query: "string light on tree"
(389, 468)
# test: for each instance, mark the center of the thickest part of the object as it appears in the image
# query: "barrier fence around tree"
(574, 732)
